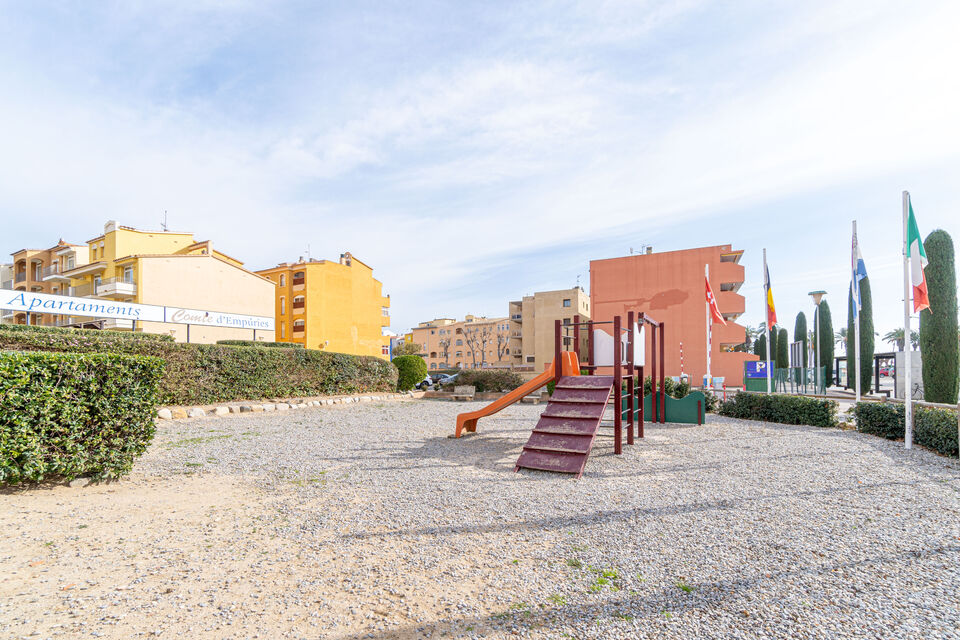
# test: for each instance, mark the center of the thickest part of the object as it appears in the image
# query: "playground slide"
(569, 365)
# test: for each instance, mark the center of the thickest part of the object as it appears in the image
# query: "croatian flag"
(918, 261)
(859, 273)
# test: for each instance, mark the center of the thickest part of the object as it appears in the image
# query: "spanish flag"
(771, 310)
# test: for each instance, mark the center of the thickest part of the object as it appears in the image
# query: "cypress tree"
(866, 336)
(760, 346)
(800, 335)
(783, 350)
(825, 340)
(938, 324)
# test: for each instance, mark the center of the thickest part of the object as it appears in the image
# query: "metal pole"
(630, 352)
(642, 401)
(654, 405)
(663, 375)
(590, 358)
(557, 368)
(617, 392)
(908, 365)
(188, 333)
(28, 318)
(706, 273)
(766, 315)
(816, 346)
(576, 336)
(856, 334)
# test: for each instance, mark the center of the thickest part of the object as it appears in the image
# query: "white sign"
(603, 347)
(30, 302)
(71, 306)
(217, 319)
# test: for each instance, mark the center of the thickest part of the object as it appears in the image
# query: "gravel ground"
(366, 521)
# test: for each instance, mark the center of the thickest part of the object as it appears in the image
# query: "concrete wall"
(916, 375)
(670, 288)
(203, 282)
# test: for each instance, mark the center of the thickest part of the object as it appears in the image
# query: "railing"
(518, 317)
(299, 304)
(52, 270)
(20, 277)
(81, 291)
(298, 281)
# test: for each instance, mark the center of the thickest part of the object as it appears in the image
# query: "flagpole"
(766, 313)
(856, 322)
(706, 273)
(907, 361)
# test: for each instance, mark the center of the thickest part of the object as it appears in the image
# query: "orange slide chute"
(569, 366)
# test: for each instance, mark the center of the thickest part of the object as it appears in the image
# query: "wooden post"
(617, 393)
(557, 368)
(590, 359)
(663, 376)
(654, 405)
(630, 394)
(640, 417)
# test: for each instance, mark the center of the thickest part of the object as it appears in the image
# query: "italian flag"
(918, 260)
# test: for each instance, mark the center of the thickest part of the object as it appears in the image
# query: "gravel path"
(366, 521)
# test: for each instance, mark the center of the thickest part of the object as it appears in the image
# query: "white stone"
(165, 414)
(282, 406)
(269, 406)
(196, 412)
(222, 411)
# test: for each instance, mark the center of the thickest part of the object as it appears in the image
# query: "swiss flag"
(712, 301)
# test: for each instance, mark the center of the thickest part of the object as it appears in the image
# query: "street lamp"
(817, 297)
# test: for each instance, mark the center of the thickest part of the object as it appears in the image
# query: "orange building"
(670, 288)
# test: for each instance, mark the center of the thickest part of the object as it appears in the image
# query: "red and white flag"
(712, 303)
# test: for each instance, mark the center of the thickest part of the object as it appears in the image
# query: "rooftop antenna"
(163, 225)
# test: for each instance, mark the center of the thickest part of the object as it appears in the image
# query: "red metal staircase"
(563, 437)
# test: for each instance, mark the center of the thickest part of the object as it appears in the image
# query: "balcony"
(517, 317)
(731, 304)
(20, 277)
(726, 273)
(117, 288)
(6, 284)
(299, 304)
(52, 274)
(81, 291)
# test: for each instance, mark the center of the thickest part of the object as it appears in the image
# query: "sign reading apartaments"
(27, 301)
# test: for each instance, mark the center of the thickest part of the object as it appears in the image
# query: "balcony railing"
(117, 287)
(299, 304)
(6, 284)
(20, 277)
(298, 281)
(81, 291)
(52, 270)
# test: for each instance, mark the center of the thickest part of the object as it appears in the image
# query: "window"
(433, 332)
(93, 254)
(385, 311)
(458, 354)
(283, 279)
(566, 302)
(96, 281)
(433, 365)
(283, 331)
(507, 351)
(283, 305)
(71, 262)
(459, 342)
(385, 350)
(128, 275)
(531, 359)
(567, 321)
(298, 325)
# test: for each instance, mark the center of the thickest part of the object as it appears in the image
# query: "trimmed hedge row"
(63, 415)
(208, 373)
(484, 380)
(68, 332)
(251, 343)
(780, 408)
(932, 428)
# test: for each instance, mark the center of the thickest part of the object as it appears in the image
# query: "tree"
(477, 338)
(825, 341)
(938, 324)
(840, 337)
(407, 349)
(783, 349)
(445, 350)
(866, 336)
(895, 339)
(760, 346)
(800, 335)
(503, 341)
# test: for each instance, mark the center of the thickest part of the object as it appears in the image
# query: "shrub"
(67, 332)
(674, 389)
(258, 343)
(938, 324)
(780, 408)
(826, 341)
(411, 370)
(783, 349)
(932, 427)
(800, 335)
(62, 415)
(490, 379)
(208, 373)
(866, 336)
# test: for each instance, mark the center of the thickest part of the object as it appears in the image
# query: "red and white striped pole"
(681, 360)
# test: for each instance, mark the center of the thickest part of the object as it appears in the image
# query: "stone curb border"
(181, 413)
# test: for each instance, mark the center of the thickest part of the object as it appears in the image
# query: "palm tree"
(895, 338)
(840, 337)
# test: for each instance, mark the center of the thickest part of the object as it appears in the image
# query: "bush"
(490, 379)
(932, 428)
(209, 373)
(258, 343)
(411, 371)
(800, 335)
(674, 389)
(779, 408)
(826, 342)
(62, 415)
(67, 332)
(938, 324)
(866, 337)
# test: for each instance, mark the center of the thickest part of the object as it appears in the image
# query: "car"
(425, 384)
(886, 371)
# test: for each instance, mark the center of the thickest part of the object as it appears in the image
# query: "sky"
(476, 152)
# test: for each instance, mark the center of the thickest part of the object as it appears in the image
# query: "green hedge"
(63, 415)
(484, 380)
(933, 428)
(69, 332)
(258, 343)
(208, 373)
(411, 371)
(780, 408)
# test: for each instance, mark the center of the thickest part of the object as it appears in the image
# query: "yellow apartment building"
(40, 271)
(170, 269)
(533, 321)
(472, 343)
(334, 306)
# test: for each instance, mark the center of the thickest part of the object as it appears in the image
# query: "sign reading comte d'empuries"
(30, 302)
